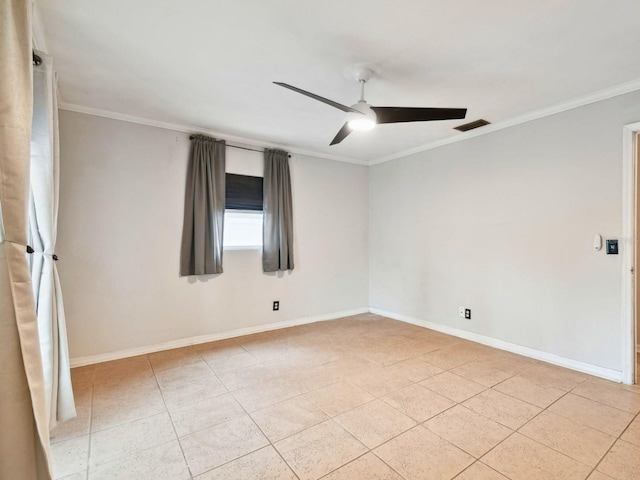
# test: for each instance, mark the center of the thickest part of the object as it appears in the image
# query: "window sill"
(239, 247)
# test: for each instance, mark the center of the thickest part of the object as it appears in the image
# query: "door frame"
(629, 207)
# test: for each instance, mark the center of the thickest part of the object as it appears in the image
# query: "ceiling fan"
(362, 116)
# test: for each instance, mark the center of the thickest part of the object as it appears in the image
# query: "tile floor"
(360, 398)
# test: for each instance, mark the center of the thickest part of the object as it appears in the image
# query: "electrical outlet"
(276, 305)
(461, 312)
(467, 313)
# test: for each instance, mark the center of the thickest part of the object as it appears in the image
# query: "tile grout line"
(536, 416)
(170, 418)
(379, 398)
(348, 463)
(487, 388)
(513, 432)
(269, 443)
(618, 438)
(93, 386)
(227, 392)
(476, 459)
(252, 420)
(383, 365)
(368, 450)
(544, 410)
(120, 425)
(450, 370)
(329, 417)
(572, 421)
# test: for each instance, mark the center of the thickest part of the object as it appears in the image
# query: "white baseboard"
(588, 368)
(583, 367)
(185, 342)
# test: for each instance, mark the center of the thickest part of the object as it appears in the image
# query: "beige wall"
(121, 205)
(503, 224)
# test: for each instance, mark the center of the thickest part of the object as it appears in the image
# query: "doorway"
(630, 252)
(636, 334)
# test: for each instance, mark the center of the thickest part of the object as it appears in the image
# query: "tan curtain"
(24, 433)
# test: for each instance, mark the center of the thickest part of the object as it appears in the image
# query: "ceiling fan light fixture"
(361, 124)
(366, 120)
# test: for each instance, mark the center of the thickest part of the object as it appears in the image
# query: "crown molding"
(618, 90)
(243, 141)
(598, 96)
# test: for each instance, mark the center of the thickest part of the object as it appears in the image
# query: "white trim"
(242, 141)
(602, 372)
(617, 90)
(37, 29)
(628, 251)
(621, 89)
(185, 342)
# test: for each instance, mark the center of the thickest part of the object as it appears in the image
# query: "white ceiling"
(211, 63)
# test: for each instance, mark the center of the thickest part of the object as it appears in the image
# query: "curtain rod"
(236, 146)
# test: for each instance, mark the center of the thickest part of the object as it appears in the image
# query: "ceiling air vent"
(470, 126)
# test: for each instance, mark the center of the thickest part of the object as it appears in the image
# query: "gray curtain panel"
(204, 208)
(277, 248)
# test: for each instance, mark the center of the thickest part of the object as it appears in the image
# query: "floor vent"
(470, 126)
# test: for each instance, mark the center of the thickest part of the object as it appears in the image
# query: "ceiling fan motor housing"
(364, 121)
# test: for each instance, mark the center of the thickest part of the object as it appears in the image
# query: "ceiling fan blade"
(342, 134)
(410, 114)
(337, 105)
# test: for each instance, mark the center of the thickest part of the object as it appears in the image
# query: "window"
(242, 229)
(243, 212)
